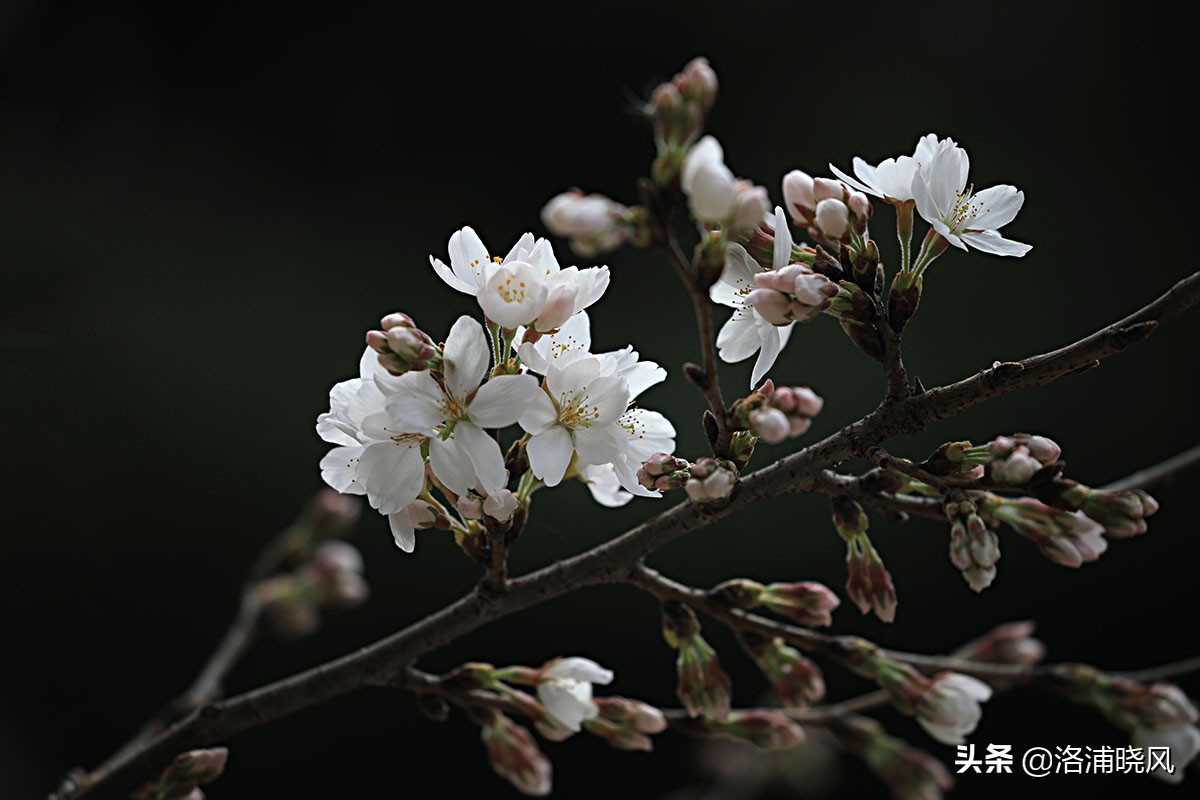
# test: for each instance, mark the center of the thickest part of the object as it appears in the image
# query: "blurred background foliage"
(202, 209)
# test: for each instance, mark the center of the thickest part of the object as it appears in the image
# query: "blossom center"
(575, 412)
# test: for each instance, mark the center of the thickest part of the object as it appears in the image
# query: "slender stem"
(710, 383)
(904, 231)
(934, 245)
(381, 662)
(1145, 478)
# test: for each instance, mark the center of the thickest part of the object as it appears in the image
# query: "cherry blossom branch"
(615, 561)
(852, 486)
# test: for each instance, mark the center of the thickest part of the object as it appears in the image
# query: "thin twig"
(1150, 476)
(611, 561)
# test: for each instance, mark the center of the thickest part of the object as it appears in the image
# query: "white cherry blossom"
(748, 332)
(892, 178)
(962, 216)
(372, 457)
(565, 690)
(950, 710)
(526, 287)
(604, 485)
(454, 412)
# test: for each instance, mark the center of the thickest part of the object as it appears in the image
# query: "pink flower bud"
(1010, 643)
(1043, 449)
(771, 305)
(826, 189)
(750, 206)
(470, 507)
(1017, 467)
(560, 305)
(764, 728)
(514, 755)
(698, 82)
(833, 218)
(860, 205)
(807, 603)
(770, 424)
(798, 195)
(500, 505)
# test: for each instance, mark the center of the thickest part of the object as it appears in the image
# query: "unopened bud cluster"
(1120, 513)
(1017, 458)
(868, 582)
(797, 680)
(703, 687)
(626, 724)
(331, 579)
(764, 728)
(514, 755)
(593, 223)
(662, 472)
(1011, 643)
(709, 480)
(974, 546)
(910, 773)
(188, 772)
(678, 109)
(775, 414)
(947, 705)
(1065, 537)
(403, 347)
(794, 293)
(828, 207)
(806, 603)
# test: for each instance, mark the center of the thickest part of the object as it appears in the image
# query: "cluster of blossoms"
(1155, 715)
(775, 414)
(422, 415)
(708, 480)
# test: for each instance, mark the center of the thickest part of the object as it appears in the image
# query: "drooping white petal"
(992, 242)
(484, 453)
(451, 465)
(403, 530)
(782, 247)
(603, 484)
(393, 474)
(737, 277)
(550, 454)
(450, 279)
(466, 357)
(503, 399)
(867, 186)
(339, 469)
(771, 347)
(739, 337)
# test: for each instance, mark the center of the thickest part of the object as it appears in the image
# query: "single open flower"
(565, 689)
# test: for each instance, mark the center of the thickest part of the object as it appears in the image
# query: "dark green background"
(202, 210)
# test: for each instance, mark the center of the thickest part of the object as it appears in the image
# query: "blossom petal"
(468, 257)
(868, 187)
(539, 415)
(451, 280)
(417, 406)
(402, 530)
(466, 357)
(739, 337)
(771, 347)
(501, 400)
(339, 469)
(781, 253)
(736, 276)
(451, 465)
(550, 454)
(393, 474)
(484, 453)
(999, 205)
(992, 242)
(606, 489)
(570, 703)
(580, 669)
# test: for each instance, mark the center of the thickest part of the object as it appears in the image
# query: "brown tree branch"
(612, 561)
(1150, 476)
